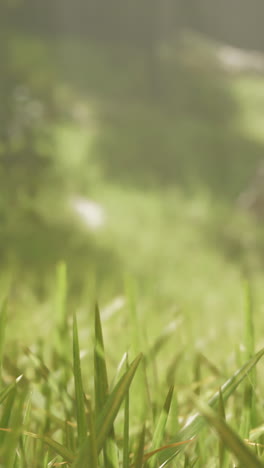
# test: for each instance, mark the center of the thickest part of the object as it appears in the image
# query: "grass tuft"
(47, 419)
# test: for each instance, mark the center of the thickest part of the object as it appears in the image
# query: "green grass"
(178, 328)
(81, 412)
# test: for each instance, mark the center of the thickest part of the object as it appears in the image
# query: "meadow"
(126, 345)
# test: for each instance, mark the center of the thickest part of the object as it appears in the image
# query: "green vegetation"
(177, 268)
(59, 409)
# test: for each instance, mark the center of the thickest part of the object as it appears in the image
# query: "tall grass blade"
(79, 394)
(69, 436)
(136, 336)
(3, 320)
(138, 343)
(139, 455)
(197, 373)
(231, 440)
(173, 425)
(247, 411)
(109, 412)
(25, 442)
(46, 463)
(221, 413)
(92, 436)
(12, 438)
(196, 422)
(101, 390)
(126, 431)
(122, 365)
(97, 436)
(100, 371)
(159, 431)
(249, 324)
(87, 454)
(7, 410)
(6, 391)
(249, 418)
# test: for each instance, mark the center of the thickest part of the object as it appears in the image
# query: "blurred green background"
(131, 145)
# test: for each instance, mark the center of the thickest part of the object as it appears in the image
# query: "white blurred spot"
(90, 212)
(239, 60)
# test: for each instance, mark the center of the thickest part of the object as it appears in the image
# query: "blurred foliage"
(37, 224)
(140, 22)
(144, 110)
(186, 133)
(27, 167)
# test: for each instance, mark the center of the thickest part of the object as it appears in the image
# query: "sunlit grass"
(55, 414)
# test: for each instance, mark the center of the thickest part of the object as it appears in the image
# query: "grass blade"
(160, 428)
(249, 325)
(138, 342)
(3, 320)
(92, 436)
(6, 391)
(7, 413)
(126, 432)
(231, 440)
(79, 394)
(221, 413)
(16, 422)
(113, 403)
(87, 455)
(101, 390)
(196, 422)
(249, 418)
(105, 419)
(139, 455)
(100, 371)
(65, 453)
